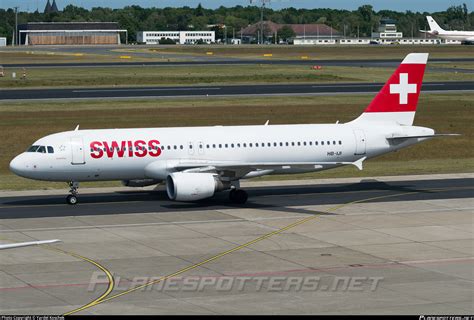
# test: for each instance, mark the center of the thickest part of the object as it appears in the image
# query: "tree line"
(360, 22)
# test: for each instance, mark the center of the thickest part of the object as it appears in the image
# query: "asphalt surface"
(261, 198)
(231, 90)
(213, 61)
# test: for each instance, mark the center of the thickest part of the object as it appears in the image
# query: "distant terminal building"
(387, 31)
(70, 33)
(311, 33)
(3, 41)
(181, 37)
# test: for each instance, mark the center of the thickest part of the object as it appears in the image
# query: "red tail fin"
(397, 100)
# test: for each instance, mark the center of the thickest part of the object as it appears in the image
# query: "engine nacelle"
(140, 182)
(189, 186)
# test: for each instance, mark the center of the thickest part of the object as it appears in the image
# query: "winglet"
(26, 244)
(359, 163)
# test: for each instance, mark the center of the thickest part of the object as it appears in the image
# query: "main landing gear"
(238, 196)
(72, 198)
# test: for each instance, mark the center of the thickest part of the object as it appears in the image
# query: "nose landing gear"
(72, 198)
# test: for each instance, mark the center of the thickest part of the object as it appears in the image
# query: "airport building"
(3, 41)
(70, 33)
(181, 37)
(315, 33)
(387, 31)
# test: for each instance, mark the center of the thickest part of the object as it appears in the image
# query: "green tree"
(286, 33)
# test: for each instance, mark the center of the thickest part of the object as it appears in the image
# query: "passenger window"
(256, 144)
(340, 142)
(322, 143)
(293, 144)
(299, 143)
(250, 145)
(238, 145)
(334, 142)
(50, 149)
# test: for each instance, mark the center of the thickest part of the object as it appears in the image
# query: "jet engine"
(140, 182)
(188, 186)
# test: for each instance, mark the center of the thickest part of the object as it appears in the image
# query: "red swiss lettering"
(96, 149)
(155, 148)
(141, 151)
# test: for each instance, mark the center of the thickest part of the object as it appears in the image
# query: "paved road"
(231, 90)
(263, 198)
(331, 62)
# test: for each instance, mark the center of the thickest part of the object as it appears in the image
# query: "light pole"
(15, 38)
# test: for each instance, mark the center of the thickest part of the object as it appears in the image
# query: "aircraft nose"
(18, 165)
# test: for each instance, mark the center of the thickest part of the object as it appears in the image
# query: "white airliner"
(436, 30)
(196, 162)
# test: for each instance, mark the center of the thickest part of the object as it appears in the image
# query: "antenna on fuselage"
(77, 128)
(266, 123)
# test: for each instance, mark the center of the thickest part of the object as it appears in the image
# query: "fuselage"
(456, 35)
(127, 154)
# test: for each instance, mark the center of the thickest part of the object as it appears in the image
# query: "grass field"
(22, 123)
(217, 75)
(310, 52)
(68, 54)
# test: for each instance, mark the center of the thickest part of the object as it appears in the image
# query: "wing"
(236, 170)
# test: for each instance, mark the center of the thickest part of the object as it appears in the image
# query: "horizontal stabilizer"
(423, 136)
(359, 163)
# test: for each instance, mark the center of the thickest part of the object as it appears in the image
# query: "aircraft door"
(360, 142)
(77, 149)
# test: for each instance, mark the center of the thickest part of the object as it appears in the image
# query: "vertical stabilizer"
(398, 98)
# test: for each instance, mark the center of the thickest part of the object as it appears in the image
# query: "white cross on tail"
(403, 88)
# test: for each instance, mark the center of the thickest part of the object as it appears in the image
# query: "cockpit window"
(41, 149)
(32, 149)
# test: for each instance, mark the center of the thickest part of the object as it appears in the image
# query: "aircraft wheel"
(71, 199)
(238, 196)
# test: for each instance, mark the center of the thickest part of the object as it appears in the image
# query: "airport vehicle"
(436, 30)
(197, 162)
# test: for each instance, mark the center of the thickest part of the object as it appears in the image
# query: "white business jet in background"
(436, 30)
(197, 162)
